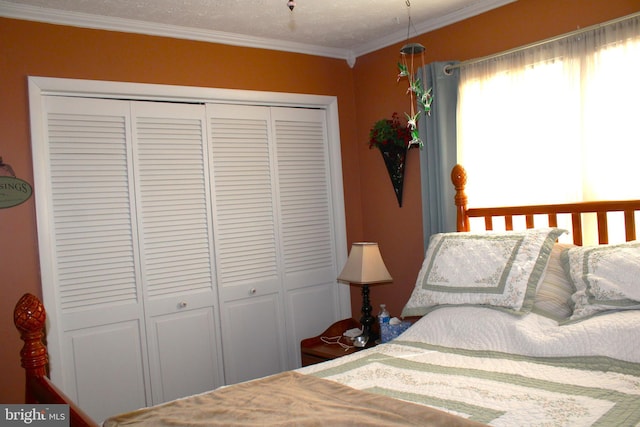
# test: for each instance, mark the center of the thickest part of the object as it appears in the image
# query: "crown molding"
(431, 25)
(83, 20)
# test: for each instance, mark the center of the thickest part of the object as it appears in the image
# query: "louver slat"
(304, 198)
(242, 178)
(172, 188)
(91, 214)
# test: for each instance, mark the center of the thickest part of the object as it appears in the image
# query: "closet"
(183, 245)
(274, 246)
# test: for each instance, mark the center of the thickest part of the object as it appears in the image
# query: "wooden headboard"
(575, 210)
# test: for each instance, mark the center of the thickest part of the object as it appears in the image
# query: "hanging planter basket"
(394, 157)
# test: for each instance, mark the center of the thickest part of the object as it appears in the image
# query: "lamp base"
(367, 320)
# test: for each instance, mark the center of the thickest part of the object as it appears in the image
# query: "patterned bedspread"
(474, 365)
(496, 388)
(288, 399)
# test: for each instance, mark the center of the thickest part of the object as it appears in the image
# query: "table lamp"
(365, 267)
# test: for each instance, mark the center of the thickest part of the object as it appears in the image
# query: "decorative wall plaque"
(13, 191)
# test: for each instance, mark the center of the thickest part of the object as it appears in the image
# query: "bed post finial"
(29, 317)
(459, 179)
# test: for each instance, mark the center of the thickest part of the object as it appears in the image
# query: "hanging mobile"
(416, 90)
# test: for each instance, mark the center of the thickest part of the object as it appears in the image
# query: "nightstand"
(313, 350)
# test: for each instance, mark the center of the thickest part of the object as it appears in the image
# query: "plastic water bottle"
(383, 317)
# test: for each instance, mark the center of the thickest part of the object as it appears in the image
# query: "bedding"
(502, 370)
(605, 278)
(497, 269)
(288, 399)
(481, 366)
(553, 296)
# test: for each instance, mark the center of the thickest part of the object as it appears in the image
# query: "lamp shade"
(365, 265)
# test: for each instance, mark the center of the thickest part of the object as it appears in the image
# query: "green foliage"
(390, 132)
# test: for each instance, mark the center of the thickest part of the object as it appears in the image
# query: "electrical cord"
(336, 340)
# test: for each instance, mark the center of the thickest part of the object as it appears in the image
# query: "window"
(556, 122)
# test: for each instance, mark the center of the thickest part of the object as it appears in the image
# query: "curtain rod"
(449, 67)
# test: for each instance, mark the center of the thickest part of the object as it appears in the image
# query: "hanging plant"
(393, 139)
(390, 132)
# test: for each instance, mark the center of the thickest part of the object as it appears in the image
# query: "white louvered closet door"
(128, 274)
(275, 245)
(89, 255)
(150, 215)
(247, 253)
(176, 246)
(306, 223)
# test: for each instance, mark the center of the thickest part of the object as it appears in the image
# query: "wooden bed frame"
(30, 315)
(601, 208)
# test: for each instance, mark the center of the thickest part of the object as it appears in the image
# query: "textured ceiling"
(337, 28)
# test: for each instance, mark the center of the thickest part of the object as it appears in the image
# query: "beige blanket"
(288, 399)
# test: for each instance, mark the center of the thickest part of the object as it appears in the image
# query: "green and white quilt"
(502, 370)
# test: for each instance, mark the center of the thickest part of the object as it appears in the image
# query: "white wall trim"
(84, 20)
(430, 25)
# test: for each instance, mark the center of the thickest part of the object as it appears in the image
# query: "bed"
(516, 327)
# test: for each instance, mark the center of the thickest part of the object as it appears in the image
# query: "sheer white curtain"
(556, 122)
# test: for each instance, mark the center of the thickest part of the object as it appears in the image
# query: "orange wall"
(28, 48)
(365, 93)
(399, 230)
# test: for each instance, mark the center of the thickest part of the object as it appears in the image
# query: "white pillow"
(553, 297)
(497, 269)
(606, 278)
